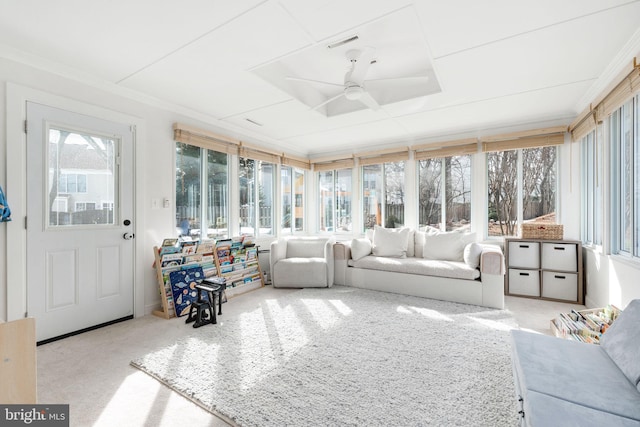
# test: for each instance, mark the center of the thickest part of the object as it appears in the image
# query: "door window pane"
(286, 181)
(372, 195)
(81, 171)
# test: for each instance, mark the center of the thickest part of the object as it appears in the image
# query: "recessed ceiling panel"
(397, 67)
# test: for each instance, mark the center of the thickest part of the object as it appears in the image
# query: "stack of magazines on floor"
(585, 325)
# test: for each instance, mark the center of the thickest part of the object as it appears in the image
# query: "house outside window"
(451, 190)
(292, 196)
(72, 183)
(334, 200)
(202, 192)
(521, 187)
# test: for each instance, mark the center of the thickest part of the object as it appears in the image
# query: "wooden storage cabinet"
(546, 269)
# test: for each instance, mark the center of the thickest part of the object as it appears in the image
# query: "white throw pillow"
(360, 248)
(447, 246)
(390, 242)
(472, 254)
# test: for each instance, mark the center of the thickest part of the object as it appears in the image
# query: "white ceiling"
(496, 65)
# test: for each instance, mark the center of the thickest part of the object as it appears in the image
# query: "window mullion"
(203, 193)
(520, 192)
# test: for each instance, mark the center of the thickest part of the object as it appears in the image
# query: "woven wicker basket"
(542, 230)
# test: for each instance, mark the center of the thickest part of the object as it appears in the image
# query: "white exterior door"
(80, 224)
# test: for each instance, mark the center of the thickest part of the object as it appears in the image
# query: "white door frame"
(16, 245)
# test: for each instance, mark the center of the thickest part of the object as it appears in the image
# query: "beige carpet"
(346, 356)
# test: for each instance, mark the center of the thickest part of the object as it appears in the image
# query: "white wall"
(155, 172)
(608, 279)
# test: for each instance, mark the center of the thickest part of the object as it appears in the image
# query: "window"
(292, 192)
(451, 191)
(591, 170)
(72, 183)
(625, 169)
(202, 192)
(522, 186)
(334, 200)
(383, 183)
(257, 183)
(85, 206)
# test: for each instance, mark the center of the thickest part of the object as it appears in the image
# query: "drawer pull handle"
(524, 246)
(524, 274)
(558, 248)
(557, 276)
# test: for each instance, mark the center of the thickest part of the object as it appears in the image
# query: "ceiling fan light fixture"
(353, 93)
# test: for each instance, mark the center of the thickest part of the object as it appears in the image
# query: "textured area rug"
(346, 356)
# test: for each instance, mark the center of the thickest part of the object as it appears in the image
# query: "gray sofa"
(569, 383)
(302, 262)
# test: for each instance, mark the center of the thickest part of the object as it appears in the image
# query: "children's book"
(183, 288)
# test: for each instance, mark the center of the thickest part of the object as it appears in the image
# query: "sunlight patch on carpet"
(346, 356)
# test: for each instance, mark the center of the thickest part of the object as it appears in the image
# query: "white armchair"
(302, 262)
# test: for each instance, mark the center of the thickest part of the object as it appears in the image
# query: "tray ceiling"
(493, 66)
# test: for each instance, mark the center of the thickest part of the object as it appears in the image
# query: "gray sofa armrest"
(329, 257)
(278, 251)
(492, 260)
(341, 255)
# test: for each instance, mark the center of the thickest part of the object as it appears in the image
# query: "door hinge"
(25, 222)
(25, 127)
(26, 314)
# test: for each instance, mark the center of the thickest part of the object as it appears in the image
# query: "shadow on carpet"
(347, 356)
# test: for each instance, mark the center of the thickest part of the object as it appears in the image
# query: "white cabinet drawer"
(524, 282)
(559, 285)
(560, 256)
(524, 254)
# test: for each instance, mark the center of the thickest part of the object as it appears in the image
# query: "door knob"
(128, 236)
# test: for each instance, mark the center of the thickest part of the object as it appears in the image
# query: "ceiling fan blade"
(361, 66)
(298, 79)
(333, 98)
(369, 101)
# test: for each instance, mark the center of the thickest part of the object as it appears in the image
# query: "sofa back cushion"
(390, 242)
(446, 246)
(306, 247)
(622, 342)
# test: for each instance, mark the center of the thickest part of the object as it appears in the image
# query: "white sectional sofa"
(446, 266)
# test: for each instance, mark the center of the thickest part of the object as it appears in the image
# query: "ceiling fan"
(355, 86)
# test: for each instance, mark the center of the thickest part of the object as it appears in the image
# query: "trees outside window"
(445, 182)
(520, 181)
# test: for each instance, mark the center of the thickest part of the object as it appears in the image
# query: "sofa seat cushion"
(544, 410)
(301, 272)
(573, 371)
(424, 267)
